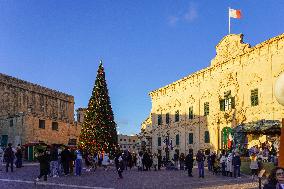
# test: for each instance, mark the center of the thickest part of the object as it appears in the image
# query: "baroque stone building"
(130, 143)
(32, 113)
(237, 87)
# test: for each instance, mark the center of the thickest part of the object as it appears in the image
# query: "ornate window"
(254, 97)
(159, 141)
(177, 116)
(11, 123)
(206, 137)
(206, 108)
(177, 139)
(54, 126)
(160, 119)
(190, 138)
(41, 124)
(190, 112)
(167, 118)
(228, 102)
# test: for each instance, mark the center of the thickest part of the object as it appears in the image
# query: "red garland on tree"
(99, 129)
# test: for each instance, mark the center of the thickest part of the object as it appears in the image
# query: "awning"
(266, 127)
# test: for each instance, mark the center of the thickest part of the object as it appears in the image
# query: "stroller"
(216, 167)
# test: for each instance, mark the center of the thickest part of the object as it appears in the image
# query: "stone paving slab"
(24, 178)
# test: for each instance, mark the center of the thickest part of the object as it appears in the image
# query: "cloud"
(123, 122)
(172, 20)
(191, 13)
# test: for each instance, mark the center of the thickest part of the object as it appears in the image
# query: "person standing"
(229, 166)
(237, 165)
(19, 156)
(78, 162)
(223, 161)
(54, 161)
(275, 179)
(253, 166)
(119, 164)
(9, 157)
(1, 157)
(181, 161)
(139, 161)
(43, 159)
(155, 161)
(200, 158)
(175, 158)
(159, 161)
(189, 162)
(65, 158)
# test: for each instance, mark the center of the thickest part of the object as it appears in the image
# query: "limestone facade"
(32, 113)
(130, 143)
(237, 87)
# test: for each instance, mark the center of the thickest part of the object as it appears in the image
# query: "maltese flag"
(235, 13)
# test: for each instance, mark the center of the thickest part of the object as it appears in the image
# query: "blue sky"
(144, 45)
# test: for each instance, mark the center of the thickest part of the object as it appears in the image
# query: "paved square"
(24, 179)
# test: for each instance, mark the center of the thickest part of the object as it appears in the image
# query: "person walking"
(78, 162)
(237, 165)
(105, 161)
(43, 159)
(189, 162)
(119, 164)
(200, 158)
(9, 157)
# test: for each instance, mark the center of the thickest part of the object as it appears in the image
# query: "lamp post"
(279, 94)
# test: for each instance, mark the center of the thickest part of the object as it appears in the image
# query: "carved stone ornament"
(230, 47)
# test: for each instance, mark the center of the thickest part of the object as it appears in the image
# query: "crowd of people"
(56, 161)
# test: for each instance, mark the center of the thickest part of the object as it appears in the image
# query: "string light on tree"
(99, 129)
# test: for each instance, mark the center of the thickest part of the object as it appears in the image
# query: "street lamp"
(279, 94)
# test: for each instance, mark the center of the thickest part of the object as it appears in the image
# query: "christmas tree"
(99, 129)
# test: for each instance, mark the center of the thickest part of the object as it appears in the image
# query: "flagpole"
(229, 21)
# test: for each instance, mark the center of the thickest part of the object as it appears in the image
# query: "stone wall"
(237, 68)
(25, 103)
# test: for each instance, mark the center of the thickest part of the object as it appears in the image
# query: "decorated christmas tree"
(99, 129)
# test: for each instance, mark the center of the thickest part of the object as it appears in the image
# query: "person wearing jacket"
(229, 165)
(237, 165)
(119, 164)
(43, 159)
(78, 162)
(9, 157)
(200, 158)
(189, 162)
(253, 166)
(105, 161)
(275, 179)
(54, 161)
(223, 161)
